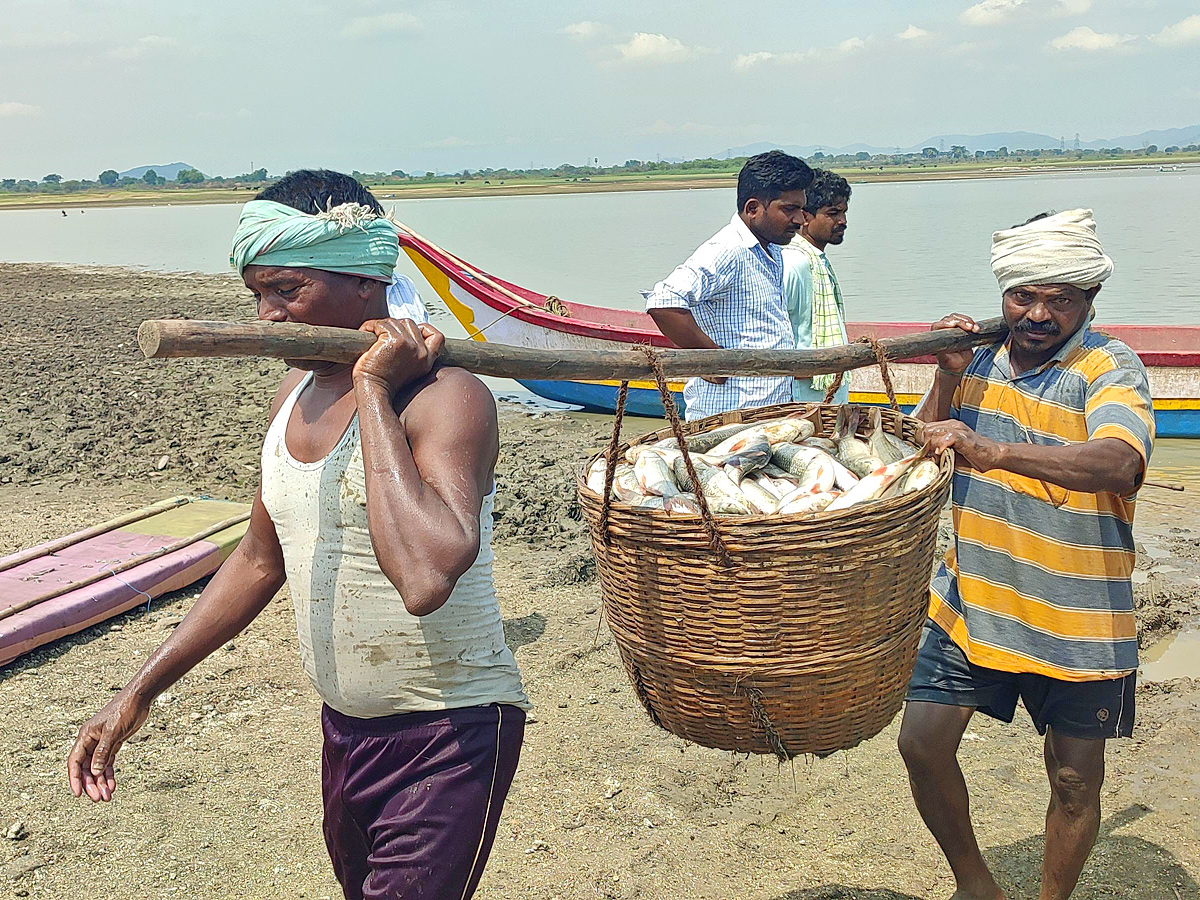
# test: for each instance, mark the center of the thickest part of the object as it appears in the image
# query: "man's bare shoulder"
(452, 398)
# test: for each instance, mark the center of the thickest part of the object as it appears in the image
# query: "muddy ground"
(219, 795)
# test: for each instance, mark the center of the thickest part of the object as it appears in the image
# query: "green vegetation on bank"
(193, 186)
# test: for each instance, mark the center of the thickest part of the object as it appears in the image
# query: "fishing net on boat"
(781, 634)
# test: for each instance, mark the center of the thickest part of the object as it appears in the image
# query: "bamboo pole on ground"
(165, 338)
(124, 566)
(24, 556)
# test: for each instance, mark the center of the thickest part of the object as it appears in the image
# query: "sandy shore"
(219, 794)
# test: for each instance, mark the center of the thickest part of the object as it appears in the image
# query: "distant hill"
(168, 171)
(1013, 140)
(1164, 138)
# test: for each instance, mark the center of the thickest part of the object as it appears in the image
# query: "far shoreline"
(441, 191)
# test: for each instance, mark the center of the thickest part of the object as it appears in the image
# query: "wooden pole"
(165, 338)
(24, 556)
(128, 564)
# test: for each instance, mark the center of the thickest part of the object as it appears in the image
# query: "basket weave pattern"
(806, 645)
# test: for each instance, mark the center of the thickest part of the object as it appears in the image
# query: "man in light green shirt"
(810, 287)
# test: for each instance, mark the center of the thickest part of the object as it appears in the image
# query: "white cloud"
(1185, 32)
(997, 12)
(990, 12)
(1084, 38)
(11, 109)
(585, 30)
(144, 46)
(644, 47)
(913, 33)
(795, 57)
(374, 26)
(750, 60)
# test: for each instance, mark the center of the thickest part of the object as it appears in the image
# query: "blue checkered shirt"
(733, 286)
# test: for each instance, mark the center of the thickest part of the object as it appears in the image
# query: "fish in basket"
(765, 572)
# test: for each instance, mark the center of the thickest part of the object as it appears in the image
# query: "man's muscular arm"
(1107, 464)
(427, 469)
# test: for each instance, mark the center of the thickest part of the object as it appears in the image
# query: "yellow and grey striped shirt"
(1038, 578)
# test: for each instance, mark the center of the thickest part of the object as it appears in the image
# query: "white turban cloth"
(1059, 249)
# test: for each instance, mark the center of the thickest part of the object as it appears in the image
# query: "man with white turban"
(1052, 430)
(376, 508)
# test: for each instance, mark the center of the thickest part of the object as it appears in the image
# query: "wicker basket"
(805, 645)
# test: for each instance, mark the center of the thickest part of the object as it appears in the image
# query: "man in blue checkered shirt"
(729, 293)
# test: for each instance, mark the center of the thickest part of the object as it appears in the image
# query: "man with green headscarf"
(376, 508)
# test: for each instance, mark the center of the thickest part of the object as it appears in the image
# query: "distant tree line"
(111, 179)
(928, 157)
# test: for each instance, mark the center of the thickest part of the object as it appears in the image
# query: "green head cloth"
(350, 239)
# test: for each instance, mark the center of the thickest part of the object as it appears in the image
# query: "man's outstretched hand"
(90, 763)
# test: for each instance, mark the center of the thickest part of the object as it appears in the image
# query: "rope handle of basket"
(882, 358)
(711, 530)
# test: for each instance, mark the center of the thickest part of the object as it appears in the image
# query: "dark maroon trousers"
(412, 801)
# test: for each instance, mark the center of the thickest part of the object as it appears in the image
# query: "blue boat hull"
(602, 397)
(1170, 423)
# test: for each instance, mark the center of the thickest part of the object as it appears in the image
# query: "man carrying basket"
(1053, 430)
(376, 507)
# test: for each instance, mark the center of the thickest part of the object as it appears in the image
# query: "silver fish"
(633, 453)
(921, 475)
(904, 448)
(762, 500)
(654, 475)
(743, 453)
(872, 486)
(595, 476)
(821, 443)
(684, 504)
(877, 440)
(795, 458)
(766, 483)
(722, 494)
(787, 430)
(806, 502)
(648, 503)
(705, 441)
(785, 486)
(625, 484)
(820, 476)
(680, 473)
(853, 453)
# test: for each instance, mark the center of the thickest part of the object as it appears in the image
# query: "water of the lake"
(915, 250)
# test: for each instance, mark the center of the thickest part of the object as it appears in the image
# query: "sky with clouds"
(444, 84)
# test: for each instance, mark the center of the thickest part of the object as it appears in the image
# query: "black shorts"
(1092, 710)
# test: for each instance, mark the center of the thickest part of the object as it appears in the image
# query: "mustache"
(1027, 327)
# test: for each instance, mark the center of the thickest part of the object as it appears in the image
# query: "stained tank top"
(365, 654)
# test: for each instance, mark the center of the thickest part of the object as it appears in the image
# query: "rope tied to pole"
(885, 375)
(712, 532)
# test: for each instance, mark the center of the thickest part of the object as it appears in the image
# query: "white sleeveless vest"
(366, 655)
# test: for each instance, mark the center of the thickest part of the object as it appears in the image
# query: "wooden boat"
(492, 309)
(68, 584)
